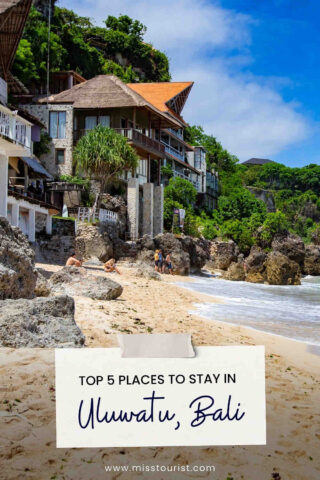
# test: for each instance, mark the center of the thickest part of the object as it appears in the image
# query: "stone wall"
(56, 248)
(49, 159)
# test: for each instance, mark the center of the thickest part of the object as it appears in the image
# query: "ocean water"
(289, 311)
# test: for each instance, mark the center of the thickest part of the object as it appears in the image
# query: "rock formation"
(75, 281)
(222, 254)
(280, 270)
(41, 322)
(255, 266)
(291, 246)
(235, 272)
(17, 273)
(92, 241)
(312, 260)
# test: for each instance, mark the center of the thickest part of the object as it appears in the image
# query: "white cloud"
(211, 45)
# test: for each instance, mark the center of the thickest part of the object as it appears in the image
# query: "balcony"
(212, 184)
(195, 183)
(19, 192)
(176, 133)
(15, 129)
(173, 151)
(138, 139)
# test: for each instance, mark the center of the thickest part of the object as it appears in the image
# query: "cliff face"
(266, 196)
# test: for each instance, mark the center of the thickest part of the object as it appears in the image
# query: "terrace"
(135, 137)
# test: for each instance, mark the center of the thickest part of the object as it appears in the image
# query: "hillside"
(77, 44)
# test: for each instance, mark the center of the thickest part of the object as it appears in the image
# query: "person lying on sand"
(110, 266)
(72, 261)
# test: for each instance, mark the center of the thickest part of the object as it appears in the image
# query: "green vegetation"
(240, 215)
(77, 44)
(103, 154)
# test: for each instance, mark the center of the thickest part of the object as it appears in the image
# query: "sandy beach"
(27, 395)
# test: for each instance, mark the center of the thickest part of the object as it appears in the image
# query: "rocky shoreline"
(284, 263)
(40, 322)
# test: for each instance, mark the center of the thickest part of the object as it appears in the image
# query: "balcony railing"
(195, 183)
(212, 182)
(134, 136)
(20, 192)
(14, 129)
(173, 151)
(176, 133)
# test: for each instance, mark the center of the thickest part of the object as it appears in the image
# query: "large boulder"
(146, 271)
(166, 242)
(312, 260)
(235, 272)
(40, 322)
(93, 241)
(75, 281)
(291, 246)
(17, 273)
(198, 250)
(280, 270)
(223, 254)
(254, 265)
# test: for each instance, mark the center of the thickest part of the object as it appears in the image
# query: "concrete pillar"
(158, 210)
(32, 225)
(49, 225)
(15, 215)
(3, 185)
(133, 207)
(148, 193)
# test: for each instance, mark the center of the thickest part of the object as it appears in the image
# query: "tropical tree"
(103, 154)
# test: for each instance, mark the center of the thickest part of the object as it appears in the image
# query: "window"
(92, 121)
(60, 156)
(57, 121)
(142, 167)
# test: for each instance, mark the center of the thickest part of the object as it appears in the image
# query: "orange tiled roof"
(159, 94)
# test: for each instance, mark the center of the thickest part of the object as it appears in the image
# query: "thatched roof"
(106, 91)
(13, 16)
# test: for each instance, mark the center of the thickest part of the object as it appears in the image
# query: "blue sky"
(255, 64)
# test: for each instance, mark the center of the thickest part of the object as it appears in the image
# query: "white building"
(18, 168)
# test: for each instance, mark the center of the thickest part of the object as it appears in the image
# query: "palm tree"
(103, 154)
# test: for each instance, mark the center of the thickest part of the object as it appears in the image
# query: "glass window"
(90, 122)
(59, 156)
(104, 120)
(57, 127)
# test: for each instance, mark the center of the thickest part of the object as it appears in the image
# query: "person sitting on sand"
(169, 263)
(110, 266)
(73, 261)
(156, 260)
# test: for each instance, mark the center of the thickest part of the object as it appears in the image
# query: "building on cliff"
(22, 198)
(184, 160)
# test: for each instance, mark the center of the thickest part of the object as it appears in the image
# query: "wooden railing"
(136, 137)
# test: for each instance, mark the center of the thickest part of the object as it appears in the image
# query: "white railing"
(13, 127)
(86, 214)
